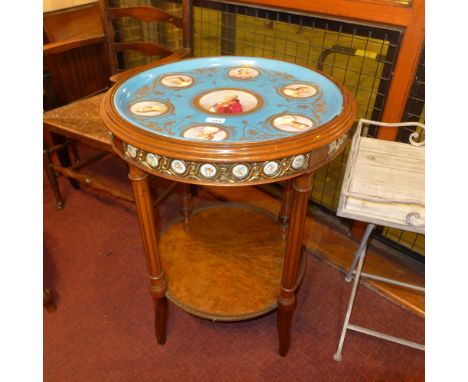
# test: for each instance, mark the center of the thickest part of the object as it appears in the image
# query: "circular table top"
(228, 99)
(228, 120)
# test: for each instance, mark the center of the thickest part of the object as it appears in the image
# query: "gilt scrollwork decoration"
(218, 172)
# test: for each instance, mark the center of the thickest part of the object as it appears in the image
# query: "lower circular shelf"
(225, 263)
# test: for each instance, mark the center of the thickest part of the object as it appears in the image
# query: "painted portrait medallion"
(243, 73)
(299, 90)
(178, 166)
(240, 171)
(298, 162)
(177, 81)
(149, 108)
(208, 171)
(292, 123)
(228, 101)
(152, 160)
(206, 133)
(270, 168)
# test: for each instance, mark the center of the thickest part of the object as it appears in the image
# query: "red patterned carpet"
(103, 327)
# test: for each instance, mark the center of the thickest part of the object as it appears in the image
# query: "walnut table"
(228, 122)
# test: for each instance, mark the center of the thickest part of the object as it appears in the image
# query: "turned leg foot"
(160, 319)
(284, 320)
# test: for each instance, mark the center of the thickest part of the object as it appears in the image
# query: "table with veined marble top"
(228, 122)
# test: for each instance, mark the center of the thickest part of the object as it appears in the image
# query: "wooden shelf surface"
(225, 263)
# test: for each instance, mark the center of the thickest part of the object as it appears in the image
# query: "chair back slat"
(144, 29)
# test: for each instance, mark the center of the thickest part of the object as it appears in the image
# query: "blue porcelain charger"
(228, 99)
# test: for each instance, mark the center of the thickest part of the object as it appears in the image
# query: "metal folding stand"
(372, 192)
(359, 259)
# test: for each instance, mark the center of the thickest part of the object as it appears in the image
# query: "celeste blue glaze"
(211, 73)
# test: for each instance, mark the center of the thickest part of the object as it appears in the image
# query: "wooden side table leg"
(148, 231)
(286, 202)
(185, 195)
(287, 298)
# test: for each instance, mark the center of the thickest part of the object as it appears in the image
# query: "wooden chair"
(383, 185)
(102, 47)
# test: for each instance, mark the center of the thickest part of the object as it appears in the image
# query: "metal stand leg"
(359, 255)
(362, 247)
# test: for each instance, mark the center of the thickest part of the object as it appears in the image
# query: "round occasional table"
(228, 122)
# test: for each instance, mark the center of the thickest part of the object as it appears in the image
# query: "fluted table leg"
(286, 202)
(287, 298)
(148, 231)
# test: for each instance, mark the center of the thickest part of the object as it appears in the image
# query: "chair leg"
(52, 176)
(361, 255)
(362, 245)
(64, 157)
(74, 150)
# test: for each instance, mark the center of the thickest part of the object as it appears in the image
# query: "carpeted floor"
(103, 327)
